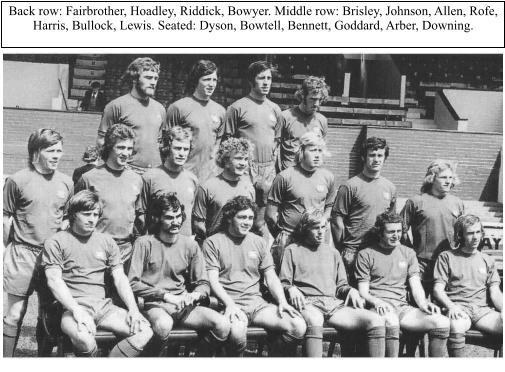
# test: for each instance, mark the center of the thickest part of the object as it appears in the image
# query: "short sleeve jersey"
(205, 119)
(466, 277)
(158, 267)
(214, 194)
(161, 180)
(83, 261)
(240, 262)
(296, 123)
(315, 272)
(432, 222)
(119, 192)
(359, 201)
(145, 118)
(37, 203)
(296, 190)
(387, 272)
(257, 121)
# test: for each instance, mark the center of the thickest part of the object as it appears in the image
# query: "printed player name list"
(257, 24)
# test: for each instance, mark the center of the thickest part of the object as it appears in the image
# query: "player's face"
(473, 236)
(442, 182)
(146, 83)
(312, 157)
(179, 152)
(120, 153)
(375, 160)
(262, 83)
(311, 103)
(391, 235)
(315, 235)
(241, 223)
(85, 222)
(171, 221)
(237, 164)
(47, 160)
(206, 85)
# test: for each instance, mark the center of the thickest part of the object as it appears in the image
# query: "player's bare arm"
(496, 297)
(380, 306)
(232, 311)
(453, 310)
(275, 287)
(7, 224)
(419, 296)
(271, 216)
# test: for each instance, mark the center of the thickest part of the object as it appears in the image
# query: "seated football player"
(314, 276)
(168, 272)
(384, 271)
(75, 262)
(237, 261)
(465, 279)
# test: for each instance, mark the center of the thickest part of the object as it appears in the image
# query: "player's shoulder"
(59, 237)
(22, 176)
(64, 178)
(156, 104)
(241, 102)
(216, 106)
(120, 101)
(189, 175)
(273, 105)
(326, 173)
(384, 181)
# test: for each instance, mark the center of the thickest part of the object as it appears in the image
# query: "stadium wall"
(478, 154)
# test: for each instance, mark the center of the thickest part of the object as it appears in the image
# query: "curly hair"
(116, 133)
(460, 226)
(233, 146)
(308, 220)
(41, 139)
(166, 201)
(384, 218)
(201, 68)
(310, 139)
(84, 200)
(256, 68)
(374, 143)
(176, 133)
(137, 66)
(313, 85)
(434, 169)
(232, 207)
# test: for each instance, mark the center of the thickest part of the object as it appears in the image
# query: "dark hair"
(41, 139)
(313, 84)
(116, 133)
(308, 220)
(161, 203)
(460, 226)
(384, 218)
(232, 207)
(256, 68)
(374, 143)
(137, 66)
(95, 84)
(168, 136)
(201, 68)
(84, 200)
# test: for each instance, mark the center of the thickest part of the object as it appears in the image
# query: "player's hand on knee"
(382, 307)
(135, 320)
(284, 307)
(296, 298)
(429, 308)
(85, 322)
(234, 314)
(455, 312)
(354, 298)
(176, 300)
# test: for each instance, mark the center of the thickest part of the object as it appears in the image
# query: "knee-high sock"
(211, 343)
(456, 345)
(314, 341)
(10, 339)
(124, 349)
(235, 348)
(376, 341)
(437, 342)
(392, 342)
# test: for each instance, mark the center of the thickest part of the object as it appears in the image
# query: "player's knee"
(313, 318)
(162, 326)
(439, 321)
(221, 327)
(15, 314)
(391, 320)
(238, 336)
(459, 325)
(374, 320)
(296, 327)
(143, 336)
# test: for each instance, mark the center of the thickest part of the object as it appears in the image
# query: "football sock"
(314, 341)
(456, 345)
(392, 341)
(437, 342)
(376, 341)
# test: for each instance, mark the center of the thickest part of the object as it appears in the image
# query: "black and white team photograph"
(252, 205)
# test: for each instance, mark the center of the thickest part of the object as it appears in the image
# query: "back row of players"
(117, 201)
